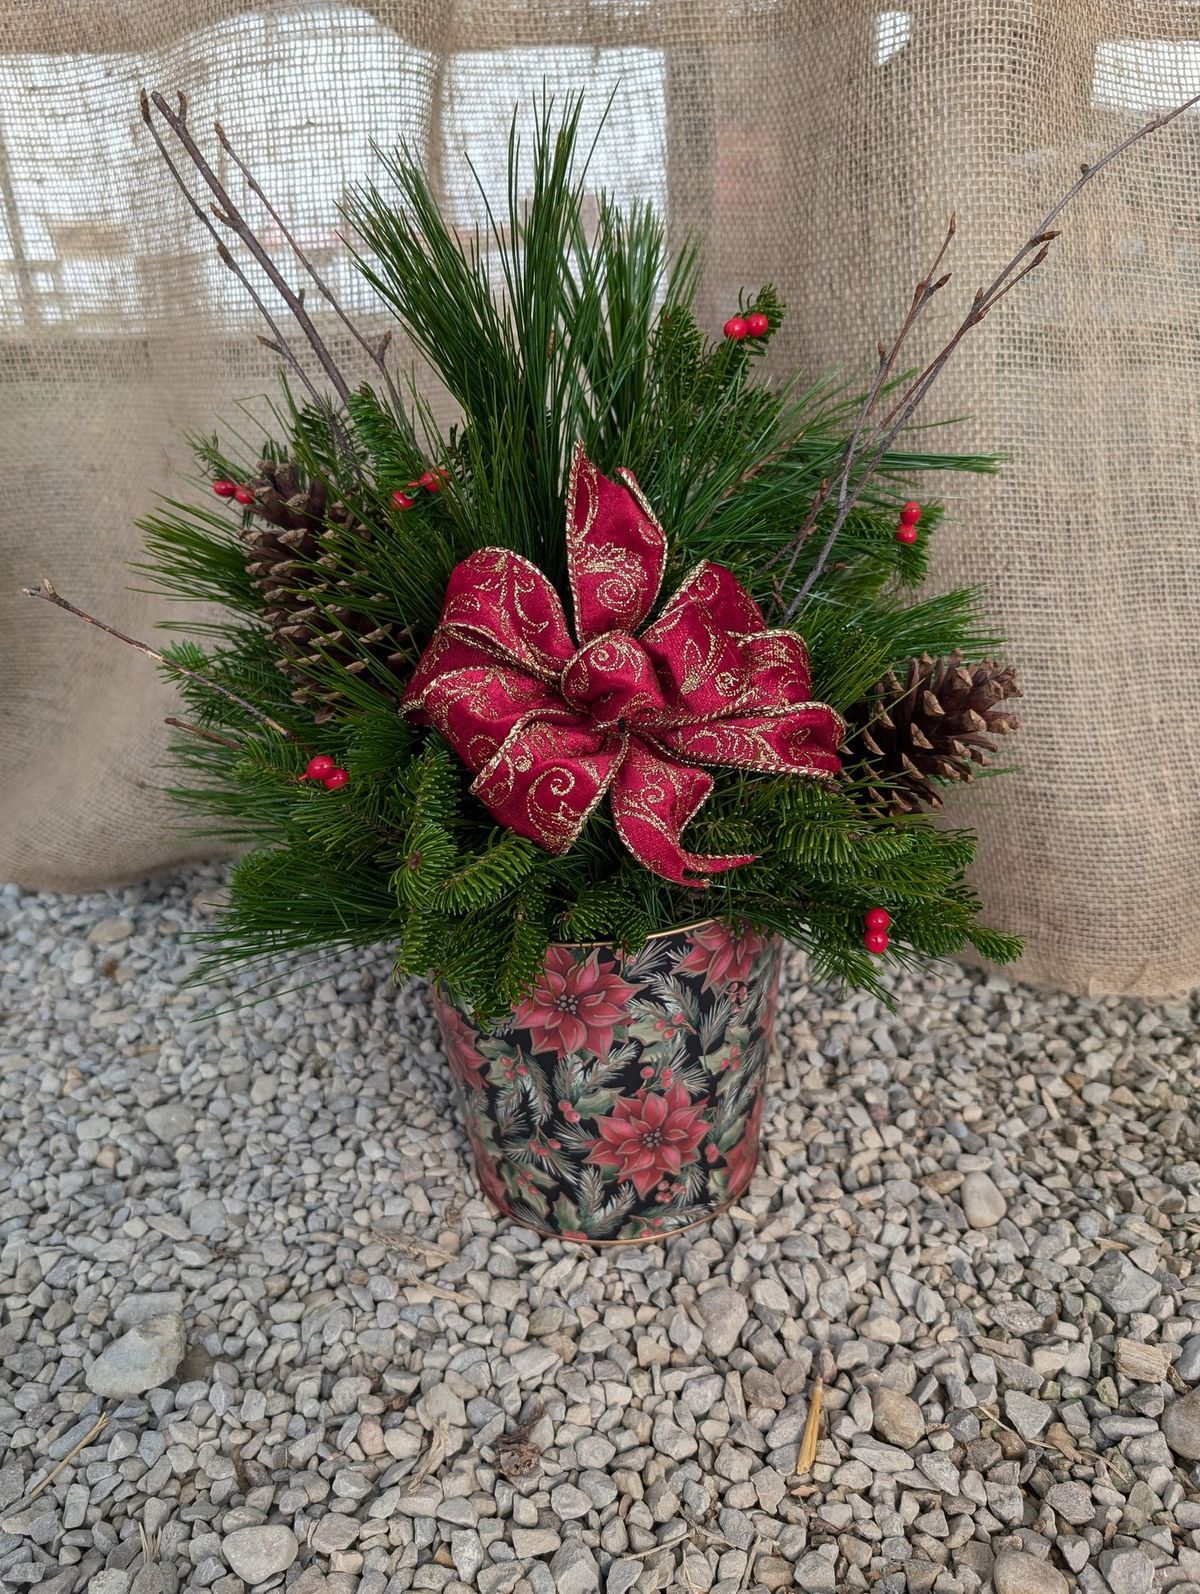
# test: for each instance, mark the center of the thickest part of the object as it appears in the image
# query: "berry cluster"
(227, 489)
(431, 481)
(754, 325)
(877, 921)
(906, 531)
(324, 769)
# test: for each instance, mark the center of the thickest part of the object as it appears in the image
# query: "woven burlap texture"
(818, 146)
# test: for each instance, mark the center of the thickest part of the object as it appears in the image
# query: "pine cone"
(287, 535)
(938, 723)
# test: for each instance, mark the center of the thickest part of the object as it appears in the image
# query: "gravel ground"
(258, 1328)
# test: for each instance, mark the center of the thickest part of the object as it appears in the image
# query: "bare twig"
(868, 442)
(748, 1569)
(279, 344)
(438, 1291)
(47, 592)
(198, 730)
(229, 215)
(97, 1427)
(375, 350)
(666, 1544)
(922, 294)
(150, 1540)
(410, 1245)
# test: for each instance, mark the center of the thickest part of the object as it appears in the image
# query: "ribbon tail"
(652, 799)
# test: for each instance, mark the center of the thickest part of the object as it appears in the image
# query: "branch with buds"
(872, 436)
(229, 214)
(48, 593)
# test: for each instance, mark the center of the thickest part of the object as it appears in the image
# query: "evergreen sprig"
(557, 322)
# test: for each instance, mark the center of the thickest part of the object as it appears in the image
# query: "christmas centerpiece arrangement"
(583, 705)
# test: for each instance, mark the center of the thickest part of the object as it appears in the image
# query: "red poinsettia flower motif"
(575, 1005)
(723, 953)
(741, 1160)
(649, 1136)
(459, 1039)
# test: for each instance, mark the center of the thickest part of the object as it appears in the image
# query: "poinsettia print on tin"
(623, 1097)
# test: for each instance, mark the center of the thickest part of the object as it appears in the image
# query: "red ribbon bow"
(549, 728)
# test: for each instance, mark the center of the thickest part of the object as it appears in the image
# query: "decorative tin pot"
(623, 1098)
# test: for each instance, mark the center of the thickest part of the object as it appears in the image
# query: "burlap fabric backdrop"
(818, 145)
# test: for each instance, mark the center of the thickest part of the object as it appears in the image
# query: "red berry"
(224, 489)
(335, 780)
(319, 767)
(757, 325)
(907, 534)
(877, 919)
(431, 481)
(876, 941)
(243, 495)
(402, 500)
(736, 328)
(910, 514)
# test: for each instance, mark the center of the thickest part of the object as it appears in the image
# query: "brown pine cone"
(937, 722)
(288, 533)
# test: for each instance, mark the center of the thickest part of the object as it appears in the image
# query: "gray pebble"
(1016, 1572)
(722, 1314)
(982, 1202)
(1181, 1425)
(1122, 1287)
(1027, 1415)
(256, 1554)
(574, 1569)
(896, 1418)
(1128, 1571)
(145, 1357)
(569, 1502)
